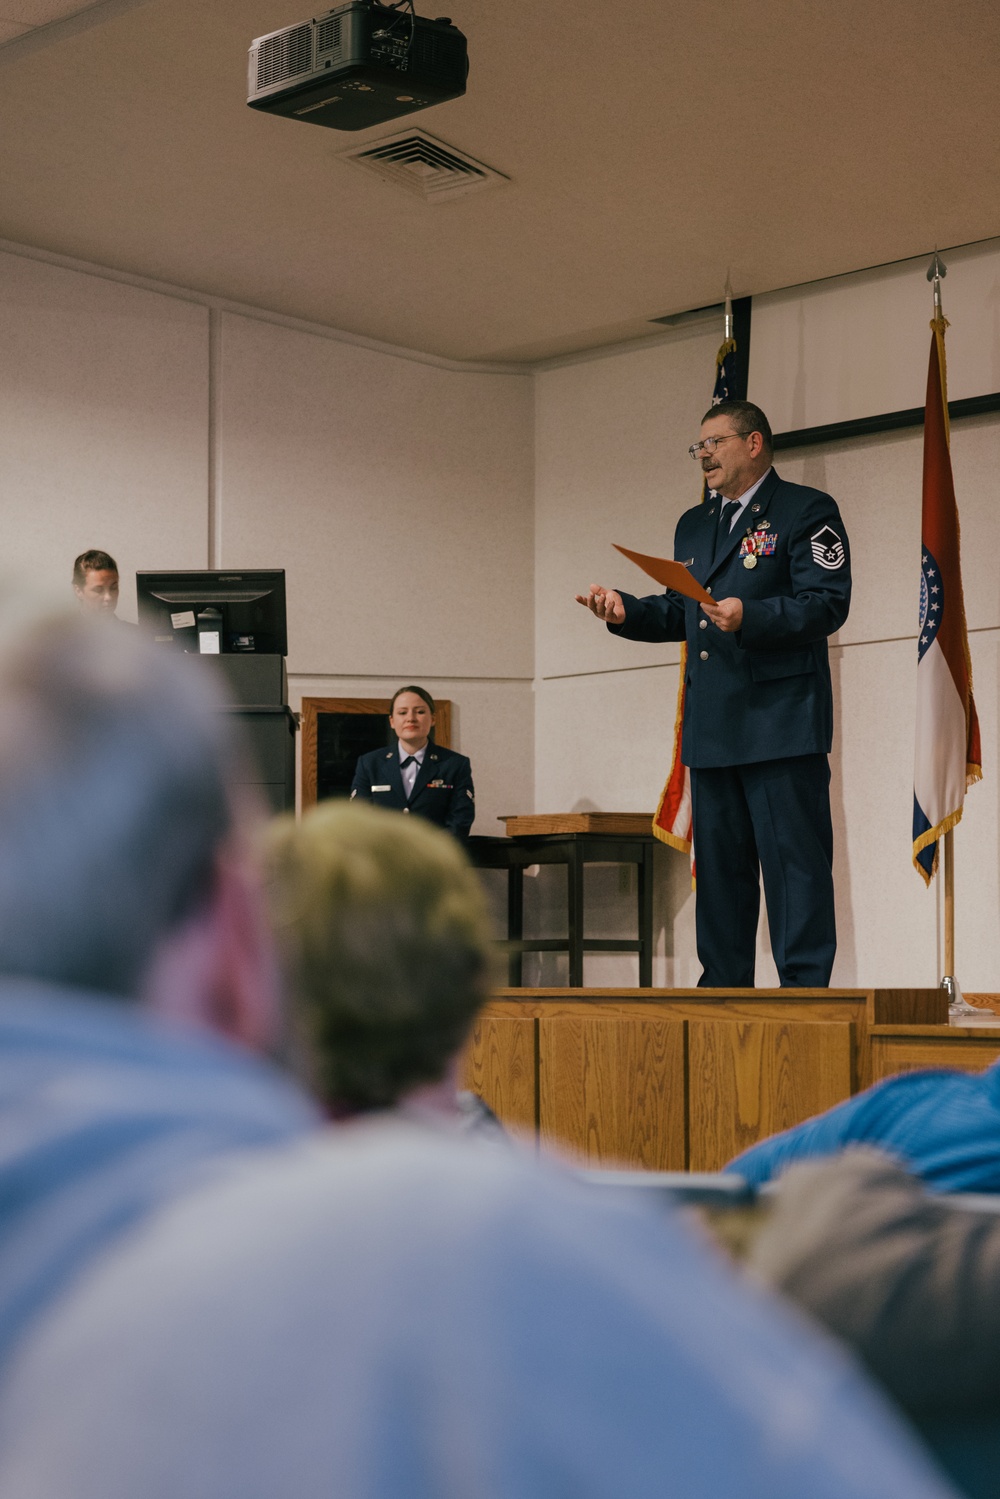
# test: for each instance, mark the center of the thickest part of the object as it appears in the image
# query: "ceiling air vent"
(425, 166)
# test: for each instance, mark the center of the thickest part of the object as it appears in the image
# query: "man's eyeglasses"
(709, 444)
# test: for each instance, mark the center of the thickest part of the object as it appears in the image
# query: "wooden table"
(574, 839)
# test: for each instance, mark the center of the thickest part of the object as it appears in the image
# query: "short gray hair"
(746, 418)
(114, 796)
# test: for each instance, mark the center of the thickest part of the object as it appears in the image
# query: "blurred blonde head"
(386, 944)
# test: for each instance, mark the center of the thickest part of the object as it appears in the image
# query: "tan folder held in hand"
(671, 574)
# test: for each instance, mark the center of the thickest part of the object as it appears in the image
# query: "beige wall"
(611, 464)
(857, 345)
(398, 496)
(103, 423)
(397, 493)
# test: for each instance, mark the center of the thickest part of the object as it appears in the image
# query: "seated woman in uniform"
(417, 775)
(385, 945)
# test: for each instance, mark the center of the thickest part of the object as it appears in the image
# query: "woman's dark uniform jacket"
(443, 791)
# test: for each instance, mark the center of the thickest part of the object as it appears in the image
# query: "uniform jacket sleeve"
(462, 809)
(656, 618)
(361, 786)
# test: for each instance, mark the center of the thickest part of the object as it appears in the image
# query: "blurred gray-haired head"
(114, 796)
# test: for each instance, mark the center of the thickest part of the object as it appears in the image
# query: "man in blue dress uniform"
(417, 775)
(758, 709)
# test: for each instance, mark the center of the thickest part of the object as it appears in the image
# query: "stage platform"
(684, 1079)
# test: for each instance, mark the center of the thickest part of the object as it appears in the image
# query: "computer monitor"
(227, 612)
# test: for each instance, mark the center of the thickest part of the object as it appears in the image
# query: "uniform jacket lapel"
(704, 541)
(394, 776)
(728, 544)
(427, 771)
(748, 521)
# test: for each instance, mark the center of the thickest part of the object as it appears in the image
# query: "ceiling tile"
(40, 12)
(637, 184)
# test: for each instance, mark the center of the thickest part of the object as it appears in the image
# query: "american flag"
(672, 823)
(948, 754)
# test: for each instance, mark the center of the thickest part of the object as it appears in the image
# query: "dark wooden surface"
(625, 824)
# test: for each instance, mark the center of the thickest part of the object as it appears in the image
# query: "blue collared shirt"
(409, 772)
(742, 502)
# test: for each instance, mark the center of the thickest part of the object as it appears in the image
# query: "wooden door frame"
(312, 707)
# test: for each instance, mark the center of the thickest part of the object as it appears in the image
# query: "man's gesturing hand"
(605, 603)
(727, 614)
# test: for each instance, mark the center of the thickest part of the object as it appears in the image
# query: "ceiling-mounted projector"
(357, 66)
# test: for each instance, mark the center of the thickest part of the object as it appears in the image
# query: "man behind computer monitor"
(95, 583)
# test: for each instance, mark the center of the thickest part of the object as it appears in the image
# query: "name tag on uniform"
(381, 788)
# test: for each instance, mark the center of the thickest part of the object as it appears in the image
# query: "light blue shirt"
(104, 1117)
(307, 1329)
(409, 772)
(742, 502)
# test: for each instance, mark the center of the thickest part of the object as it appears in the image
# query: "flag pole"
(949, 904)
(958, 1005)
(672, 820)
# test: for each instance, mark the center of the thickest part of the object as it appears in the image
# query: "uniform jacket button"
(704, 655)
(703, 624)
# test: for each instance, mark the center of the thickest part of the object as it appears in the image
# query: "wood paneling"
(908, 1007)
(961, 1047)
(667, 1079)
(612, 1089)
(499, 1065)
(749, 1079)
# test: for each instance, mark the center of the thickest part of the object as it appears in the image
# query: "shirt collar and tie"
(409, 767)
(728, 515)
(730, 511)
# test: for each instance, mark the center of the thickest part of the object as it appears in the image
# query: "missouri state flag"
(948, 754)
(672, 820)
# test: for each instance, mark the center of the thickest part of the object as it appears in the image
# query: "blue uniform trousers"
(769, 819)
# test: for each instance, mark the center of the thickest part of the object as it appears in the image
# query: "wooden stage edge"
(684, 1079)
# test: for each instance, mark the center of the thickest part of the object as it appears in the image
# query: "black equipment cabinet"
(258, 689)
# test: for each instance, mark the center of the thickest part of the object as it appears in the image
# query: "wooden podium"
(676, 1079)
